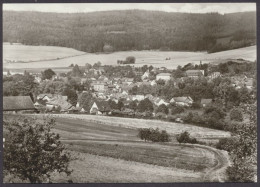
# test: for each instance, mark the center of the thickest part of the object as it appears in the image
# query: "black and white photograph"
(129, 92)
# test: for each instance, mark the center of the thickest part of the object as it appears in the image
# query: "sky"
(221, 8)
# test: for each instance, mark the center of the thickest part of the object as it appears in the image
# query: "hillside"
(131, 30)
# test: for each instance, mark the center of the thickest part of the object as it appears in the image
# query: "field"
(154, 58)
(27, 53)
(131, 123)
(110, 151)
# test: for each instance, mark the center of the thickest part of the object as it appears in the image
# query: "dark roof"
(13, 103)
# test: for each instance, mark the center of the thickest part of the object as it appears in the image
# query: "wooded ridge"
(110, 31)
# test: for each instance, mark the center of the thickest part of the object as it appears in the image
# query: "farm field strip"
(170, 127)
(196, 159)
(104, 169)
(155, 58)
(28, 53)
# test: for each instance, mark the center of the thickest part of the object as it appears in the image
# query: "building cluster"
(117, 89)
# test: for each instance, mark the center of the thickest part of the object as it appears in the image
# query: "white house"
(163, 76)
(145, 75)
(153, 83)
(160, 101)
(182, 101)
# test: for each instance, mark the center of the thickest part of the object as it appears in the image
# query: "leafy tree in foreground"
(244, 150)
(32, 152)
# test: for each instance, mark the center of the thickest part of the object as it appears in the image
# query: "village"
(130, 92)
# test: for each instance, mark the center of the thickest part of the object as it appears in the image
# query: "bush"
(171, 118)
(162, 109)
(226, 144)
(236, 114)
(177, 109)
(160, 115)
(185, 138)
(153, 135)
(188, 118)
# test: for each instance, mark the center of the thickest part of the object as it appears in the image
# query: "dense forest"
(131, 30)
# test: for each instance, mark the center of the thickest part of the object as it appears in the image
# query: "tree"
(72, 95)
(32, 151)
(244, 150)
(236, 114)
(185, 138)
(76, 71)
(160, 82)
(47, 74)
(162, 108)
(120, 105)
(133, 105)
(130, 60)
(145, 105)
(85, 100)
(97, 65)
(88, 66)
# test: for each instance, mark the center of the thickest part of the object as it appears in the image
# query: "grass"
(27, 53)
(170, 127)
(154, 58)
(98, 169)
(180, 157)
(112, 153)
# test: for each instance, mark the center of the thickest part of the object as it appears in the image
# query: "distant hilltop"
(132, 30)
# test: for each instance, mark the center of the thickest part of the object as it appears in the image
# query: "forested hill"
(131, 30)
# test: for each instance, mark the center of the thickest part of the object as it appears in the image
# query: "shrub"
(171, 118)
(215, 111)
(153, 135)
(226, 144)
(236, 114)
(160, 115)
(185, 138)
(163, 109)
(177, 109)
(188, 118)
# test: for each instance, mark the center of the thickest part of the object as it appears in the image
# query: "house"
(18, 103)
(214, 75)
(194, 73)
(138, 97)
(152, 83)
(99, 86)
(60, 104)
(128, 81)
(206, 102)
(146, 75)
(46, 97)
(182, 101)
(163, 76)
(100, 108)
(249, 83)
(160, 101)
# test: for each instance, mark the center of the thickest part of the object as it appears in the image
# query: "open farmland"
(112, 153)
(27, 53)
(154, 58)
(172, 128)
